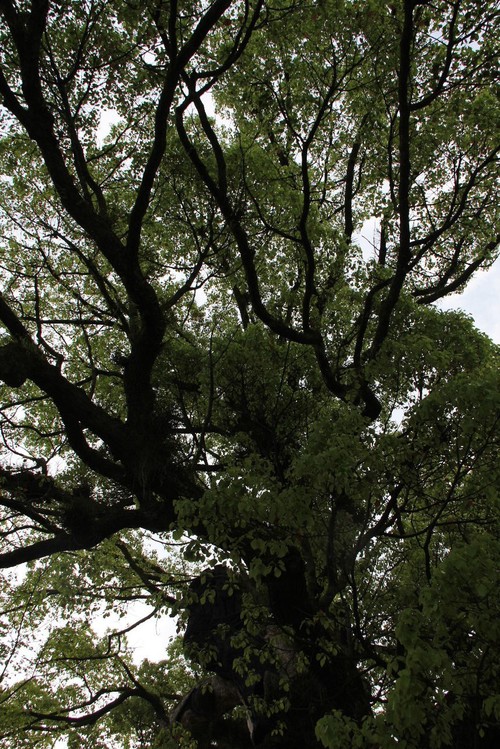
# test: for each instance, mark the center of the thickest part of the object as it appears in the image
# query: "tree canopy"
(227, 392)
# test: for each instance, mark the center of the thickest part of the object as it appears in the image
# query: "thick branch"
(404, 253)
(90, 719)
(243, 243)
(88, 534)
(22, 360)
(426, 100)
(172, 75)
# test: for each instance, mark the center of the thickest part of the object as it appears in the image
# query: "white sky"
(481, 299)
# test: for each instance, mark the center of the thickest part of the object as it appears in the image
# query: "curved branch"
(404, 253)
(426, 100)
(92, 718)
(22, 360)
(173, 73)
(240, 235)
(86, 536)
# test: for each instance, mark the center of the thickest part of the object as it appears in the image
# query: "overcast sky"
(481, 299)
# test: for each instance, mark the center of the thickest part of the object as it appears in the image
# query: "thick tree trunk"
(292, 674)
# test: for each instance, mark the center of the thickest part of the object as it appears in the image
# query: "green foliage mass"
(225, 230)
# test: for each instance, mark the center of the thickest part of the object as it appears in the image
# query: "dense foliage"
(224, 228)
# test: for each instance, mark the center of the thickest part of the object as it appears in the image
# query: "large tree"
(228, 393)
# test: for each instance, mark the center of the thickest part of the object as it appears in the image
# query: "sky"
(481, 299)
